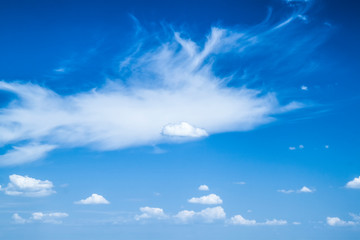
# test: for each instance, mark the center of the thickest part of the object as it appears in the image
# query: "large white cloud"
(208, 199)
(93, 199)
(355, 183)
(28, 187)
(173, 88)
(151, 212)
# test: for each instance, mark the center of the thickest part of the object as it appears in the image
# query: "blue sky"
(179, 120)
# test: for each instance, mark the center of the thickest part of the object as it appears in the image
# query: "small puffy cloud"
(304, 88)
(207, 215)
(93, 199)
(25, 154)
(355, 183)
(52, 217)
(183, 129)
(326, 146)
(240, 220)
(203, 188)
(301, 146)
(185, 216)
(150, 212)
(292, 148)
(296, 223)
(304, 189)
(335, 221)
(211, 214)
(28, 187)
(209, 199)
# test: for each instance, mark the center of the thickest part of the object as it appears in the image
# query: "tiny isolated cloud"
(52, 217)
(28, 187)
(304, 189)
(151, 212)
(208, 199)
(203, 188)
(93, 199)
(335, 221)
(240, 220)
(25, 154)
(355, 183)
(304, 88)
(183, 129)
(207, 215)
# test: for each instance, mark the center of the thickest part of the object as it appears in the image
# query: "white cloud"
(203, 188)
(185, 216)
(173, 82)
(209, 199)
(93, 199)
(335, 221)
(292, 148)
(207, 215)
(150, 212)
(240, 183)
(240, 220)
(183, 129)
(301, 146)
(275, 222)
(28, 187)
(18, 219)
(326, 146)
(212, 214)
(304, 88)
(25, 154)
(286, 191)
(296, 223)
(52, 217)
(355, 183)
(304, 189)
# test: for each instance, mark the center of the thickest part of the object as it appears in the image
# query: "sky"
(179, 120)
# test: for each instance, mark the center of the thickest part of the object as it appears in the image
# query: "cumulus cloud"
(304, 189)
(28, 187)
(335, 221)
(209, 199)
(355, 183)
(203, 188)
(150, 212)
(52, 217)
(207, 215)
(240, 220)
(183, 129)
(93, 199)
(173, 88)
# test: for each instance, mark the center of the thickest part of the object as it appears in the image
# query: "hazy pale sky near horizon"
(179, 120)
